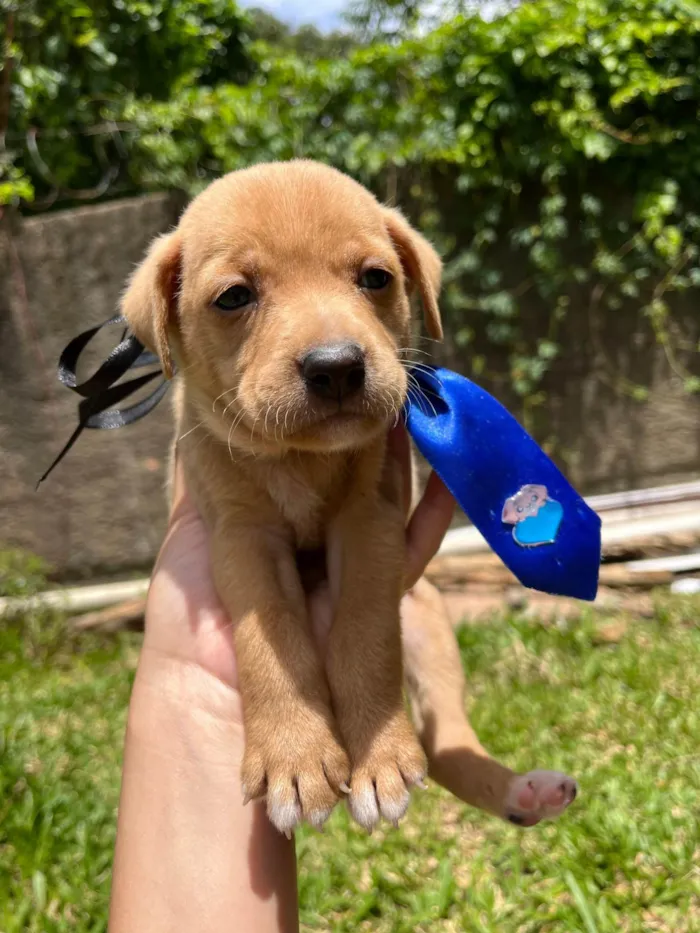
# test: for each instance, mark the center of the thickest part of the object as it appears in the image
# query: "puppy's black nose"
(336, 370)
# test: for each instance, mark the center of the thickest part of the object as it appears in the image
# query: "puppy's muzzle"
(334, 371)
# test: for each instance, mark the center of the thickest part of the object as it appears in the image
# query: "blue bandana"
(508, 487)
(515, 496)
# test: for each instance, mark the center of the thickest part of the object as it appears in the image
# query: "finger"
(427, 528)
(185, 536)
(399, 447)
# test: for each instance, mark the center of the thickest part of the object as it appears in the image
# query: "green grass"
(623, 718)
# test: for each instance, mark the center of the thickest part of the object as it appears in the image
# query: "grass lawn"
(623, 717)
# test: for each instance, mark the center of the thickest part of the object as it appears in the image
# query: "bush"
(67, 66)
(553, 154)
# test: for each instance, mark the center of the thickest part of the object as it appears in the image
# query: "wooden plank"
(78, 598)
(619, 575)
(456, 572)
(634, 522)
(678, 492)
(113, 618)
(469, 606)
(468, 540)
(675, 563)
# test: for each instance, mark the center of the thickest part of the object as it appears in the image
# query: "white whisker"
(427, 371)
(267, 413)
(234, 424)
(228, 441)
(232, 402)
(422, 395)
(213, 404)
(191, 430)
(252, 429)
(413, 350)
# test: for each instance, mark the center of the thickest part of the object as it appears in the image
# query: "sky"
(325, 14)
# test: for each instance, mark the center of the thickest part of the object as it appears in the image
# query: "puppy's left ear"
(148, 304)
(422, 267)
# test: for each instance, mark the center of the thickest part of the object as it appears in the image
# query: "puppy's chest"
(302, 505)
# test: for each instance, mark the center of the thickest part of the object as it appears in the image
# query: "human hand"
(183, 828)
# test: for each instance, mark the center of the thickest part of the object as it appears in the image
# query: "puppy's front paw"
(300, 767)
(538, 795)
(382, 777)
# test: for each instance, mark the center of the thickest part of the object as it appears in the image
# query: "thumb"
(427, 527)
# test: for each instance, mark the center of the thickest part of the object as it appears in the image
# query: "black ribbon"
(100, 392)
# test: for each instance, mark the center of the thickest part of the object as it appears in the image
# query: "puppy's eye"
(234, 298)
(375, 279)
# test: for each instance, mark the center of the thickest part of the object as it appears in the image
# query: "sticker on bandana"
(536, 518)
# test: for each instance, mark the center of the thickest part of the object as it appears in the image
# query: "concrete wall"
(104, 507)
(604, 438)
(103, 510)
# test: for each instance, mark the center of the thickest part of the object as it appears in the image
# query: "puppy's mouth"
(305, 424)
(340, 426)
(338, 419)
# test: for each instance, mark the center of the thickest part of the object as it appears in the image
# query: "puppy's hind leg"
(456, 758)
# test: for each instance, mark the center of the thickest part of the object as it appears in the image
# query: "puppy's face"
(284, 298)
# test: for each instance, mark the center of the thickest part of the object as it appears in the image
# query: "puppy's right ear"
(148, 304)
(421, 264)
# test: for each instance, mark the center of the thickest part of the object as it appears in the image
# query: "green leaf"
(598, 146)
(547, 349)
(669, 242)
(582, 904)
(39, 889)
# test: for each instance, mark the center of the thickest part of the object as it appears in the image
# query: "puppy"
(283, 299)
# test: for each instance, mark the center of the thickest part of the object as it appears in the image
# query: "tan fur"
(437, 689)
(274, 470)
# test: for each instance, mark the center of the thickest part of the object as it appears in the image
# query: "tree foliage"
(553, 154)
(68, 65)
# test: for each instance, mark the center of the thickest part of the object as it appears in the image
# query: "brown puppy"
(283, 299)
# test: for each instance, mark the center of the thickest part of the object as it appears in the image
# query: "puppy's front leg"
(366, 564)
(292, 749)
